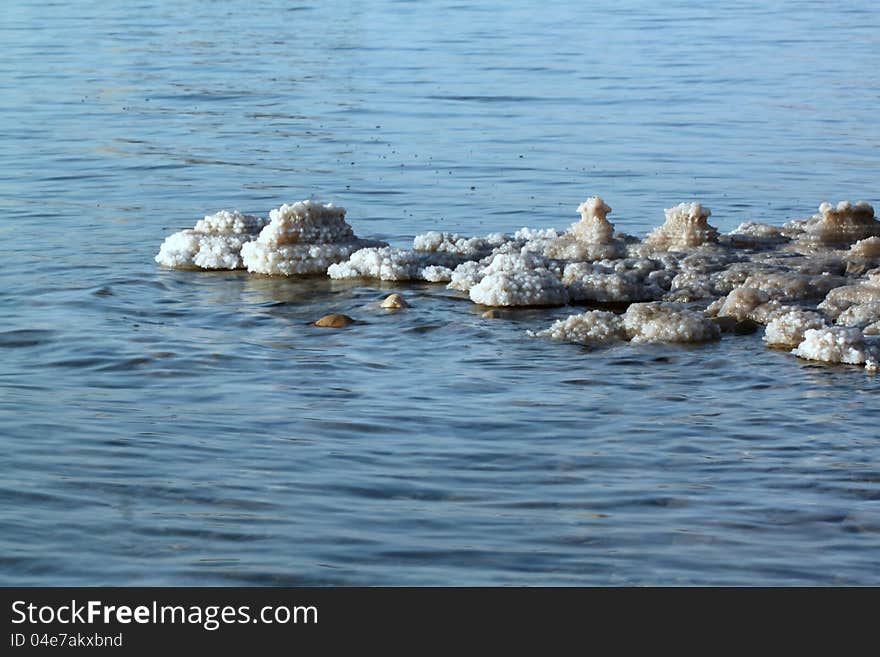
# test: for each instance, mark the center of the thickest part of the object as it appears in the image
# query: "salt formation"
(752, 235)
(621, 281)
(838, 345)
(868, 248)
(840, 298)
(843, 225)
(642, 322)
(659, 321)
(789, 328)
(591, 238)
(814, 283)
(387, 263)
(518, 280)
(739, 304)
(593, 326)
(437, 242)
(686, 227)
(215, 242)
(860, 315)
(303, 238)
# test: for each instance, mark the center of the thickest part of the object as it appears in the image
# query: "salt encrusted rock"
(867, 291)
(391, 264)
(334, 321)
(215, 242)
(504, 259)
(788, 329)
(303, 238)
(642, 322)
(529, 288)
(752, 235)
(686, 227)
(739, 304)
(591, 238)
(471, 247)
(659, 321)
(593, 326)
(394, 302)
(838, 344)
(860, 315)
(788, 286)
(588, 283)
(841, 225)
(868, 248)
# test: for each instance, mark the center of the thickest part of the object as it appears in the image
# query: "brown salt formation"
(591, 238)
(334, 321)
(687, 226)
(841, 225)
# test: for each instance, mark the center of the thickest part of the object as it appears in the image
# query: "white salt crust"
(517, 279)
(838, 344)
(641, 323)
(788, 328)
(390, 264)
(302, 238)
(215, 242)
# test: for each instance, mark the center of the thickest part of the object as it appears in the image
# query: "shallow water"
(166, 427)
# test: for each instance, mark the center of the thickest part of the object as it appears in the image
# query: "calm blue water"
(163, 427)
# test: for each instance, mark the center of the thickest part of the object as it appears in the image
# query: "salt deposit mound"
(303, 238)
(591, 238)
(687, 226)
(841, 225)
(215, 242)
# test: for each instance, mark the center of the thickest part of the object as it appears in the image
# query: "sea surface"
(163, 427)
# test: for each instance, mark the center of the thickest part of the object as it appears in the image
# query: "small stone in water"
(334, 321)
(492, 314)
(394, 301)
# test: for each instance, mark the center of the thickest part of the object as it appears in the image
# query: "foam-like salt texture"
(788, 328)
(838, 344)
(215, 242)
(303, 238)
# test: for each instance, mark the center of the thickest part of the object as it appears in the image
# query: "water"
(164, 427)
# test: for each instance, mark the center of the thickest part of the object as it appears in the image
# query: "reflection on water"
(165, 427)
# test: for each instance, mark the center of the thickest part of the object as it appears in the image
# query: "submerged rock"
(394, 302)
(334, 321)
